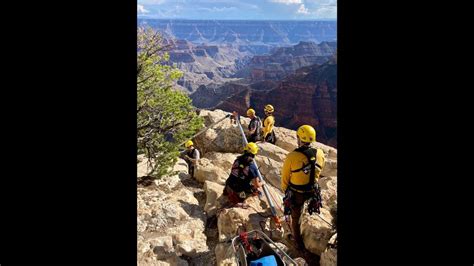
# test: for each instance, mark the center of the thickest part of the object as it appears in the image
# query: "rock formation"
(256, 36)
(175, 212)
(308, 97)
(204, 64)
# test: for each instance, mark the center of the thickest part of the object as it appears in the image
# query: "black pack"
(310, 167)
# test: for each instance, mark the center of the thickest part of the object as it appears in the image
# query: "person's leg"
(191, 170)
(297, 205)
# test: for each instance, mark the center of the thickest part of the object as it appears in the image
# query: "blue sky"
(238, 9)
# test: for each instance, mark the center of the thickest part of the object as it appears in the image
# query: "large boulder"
(222, 160)
(329, 193)
(315, 232)
(162, 246)
(214, 199)
(225, 255)
(329, 256)
(231, 219)
(222, 137)
(330, 167)
(170, 222)
(270, 169)
(286, 138)
(207, 170)
(271, 151)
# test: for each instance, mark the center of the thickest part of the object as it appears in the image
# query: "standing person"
(255, 126)
(191, 156)
(299, 180)
(243, 179)
(268, 123)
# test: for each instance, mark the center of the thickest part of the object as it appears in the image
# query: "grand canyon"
(234, 65)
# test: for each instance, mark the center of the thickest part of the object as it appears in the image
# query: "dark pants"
(270, 138)
(190, 168)
(297, 202)
(232, 196)
(253, 138)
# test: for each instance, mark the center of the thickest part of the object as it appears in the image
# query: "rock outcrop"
(173, 211)
(329, 256)
(205, 64)
(307, 97)
(285, 61)
(256, 36)
(170, 222)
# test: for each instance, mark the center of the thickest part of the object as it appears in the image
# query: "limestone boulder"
(214, 198)
(162, 246)
(329, 256)
(207, 170)
(286, 138)
(225, 255)
(330, 167)
(270, 170)
(271, 151)
(230, 220)
(222, 137)
(222, 160)
(328, 186)
(315, 232)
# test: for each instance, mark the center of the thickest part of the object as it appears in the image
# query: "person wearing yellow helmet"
(191, 156)
(255, 126)
(243, 179)
(299, 179)
(268, 123)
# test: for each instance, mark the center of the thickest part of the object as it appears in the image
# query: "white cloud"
(302, 10)
(141, 9)
(151, 2)
(217, 9)
(287, 2)
(322, 2)
(326, 11)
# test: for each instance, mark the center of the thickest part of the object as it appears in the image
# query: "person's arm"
(255, 180)
(252, 130)
(320, 161)
(285, 173)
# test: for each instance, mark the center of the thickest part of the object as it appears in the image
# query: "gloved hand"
(314, 205)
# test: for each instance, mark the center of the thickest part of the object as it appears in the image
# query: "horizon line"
(320, 19)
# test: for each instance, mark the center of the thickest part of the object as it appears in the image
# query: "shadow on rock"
(193, 210)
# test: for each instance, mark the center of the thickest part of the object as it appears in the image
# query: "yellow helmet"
(250, 112)
(188, 143)
(306, 133)
(269, 108)
(252, 148)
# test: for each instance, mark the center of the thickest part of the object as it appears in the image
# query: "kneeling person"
(243, 179)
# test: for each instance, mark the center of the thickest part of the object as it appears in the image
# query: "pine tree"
(165, 117)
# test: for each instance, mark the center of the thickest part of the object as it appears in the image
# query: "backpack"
(310, 167)
(258, 127)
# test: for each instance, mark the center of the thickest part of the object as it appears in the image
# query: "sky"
(238, 9)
